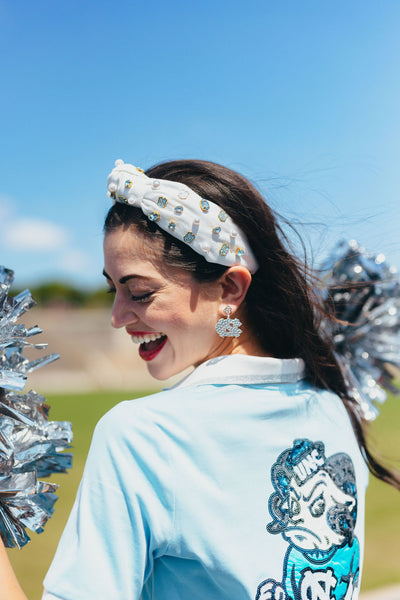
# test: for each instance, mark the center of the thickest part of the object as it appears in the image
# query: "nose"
(122, 312)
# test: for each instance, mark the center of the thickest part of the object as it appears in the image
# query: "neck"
(246, 343)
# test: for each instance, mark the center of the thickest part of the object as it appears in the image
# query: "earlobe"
(235, 282)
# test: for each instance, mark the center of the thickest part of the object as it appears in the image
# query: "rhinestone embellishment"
(189, 237)
(204, 205)
(162, 202)
(184, 214)
(224, 249)
(228, 327)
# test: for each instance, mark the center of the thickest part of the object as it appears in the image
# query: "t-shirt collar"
(243, 369)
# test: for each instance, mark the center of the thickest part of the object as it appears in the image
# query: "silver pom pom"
(30, 444)
(364, 292)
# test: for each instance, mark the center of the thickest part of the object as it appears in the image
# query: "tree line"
(56, 293)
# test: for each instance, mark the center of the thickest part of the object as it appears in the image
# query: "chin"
(159, 376)
(161, 373)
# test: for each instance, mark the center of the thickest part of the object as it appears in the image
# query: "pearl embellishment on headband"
(178, 210)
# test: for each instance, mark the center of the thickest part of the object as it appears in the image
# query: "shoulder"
(145, 417)
(129, 447)
(146, 408)
(329, 403)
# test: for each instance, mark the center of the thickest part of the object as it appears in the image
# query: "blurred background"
(301, 97)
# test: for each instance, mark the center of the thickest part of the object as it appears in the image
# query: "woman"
(247, 479)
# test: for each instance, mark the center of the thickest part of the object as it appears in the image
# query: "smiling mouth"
(141, 338)
(151, 344)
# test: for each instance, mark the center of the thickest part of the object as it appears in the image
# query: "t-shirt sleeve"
(122, 518)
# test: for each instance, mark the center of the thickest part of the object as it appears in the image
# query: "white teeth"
(149, 337)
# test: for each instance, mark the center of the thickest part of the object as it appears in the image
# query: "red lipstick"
(149, 350)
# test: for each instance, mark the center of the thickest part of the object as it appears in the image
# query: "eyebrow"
(126, 278)
(323, 483)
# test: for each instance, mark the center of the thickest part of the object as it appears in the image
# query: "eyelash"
(144, 298)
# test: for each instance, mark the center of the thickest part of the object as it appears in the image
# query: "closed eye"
(142, 298)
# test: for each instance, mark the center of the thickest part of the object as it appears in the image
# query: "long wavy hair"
(283, 309)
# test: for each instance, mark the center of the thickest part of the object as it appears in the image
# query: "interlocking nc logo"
(317, 585)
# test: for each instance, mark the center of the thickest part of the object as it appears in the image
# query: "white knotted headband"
(182, 213)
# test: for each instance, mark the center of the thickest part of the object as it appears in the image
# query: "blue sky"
(302, 97)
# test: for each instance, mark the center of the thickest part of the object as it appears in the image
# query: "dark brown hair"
(283, 310)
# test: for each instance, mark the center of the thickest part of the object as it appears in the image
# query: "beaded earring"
(227, 327)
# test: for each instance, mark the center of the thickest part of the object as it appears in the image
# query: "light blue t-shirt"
(205, 491)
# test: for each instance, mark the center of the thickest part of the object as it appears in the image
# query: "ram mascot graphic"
(314, 508)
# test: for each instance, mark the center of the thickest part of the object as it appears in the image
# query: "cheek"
(202, 316)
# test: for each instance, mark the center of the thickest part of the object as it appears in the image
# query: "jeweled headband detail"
(179, 211)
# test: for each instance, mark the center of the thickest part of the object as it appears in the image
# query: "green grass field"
(382, 556)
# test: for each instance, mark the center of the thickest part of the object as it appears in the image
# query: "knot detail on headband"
(181, 212)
